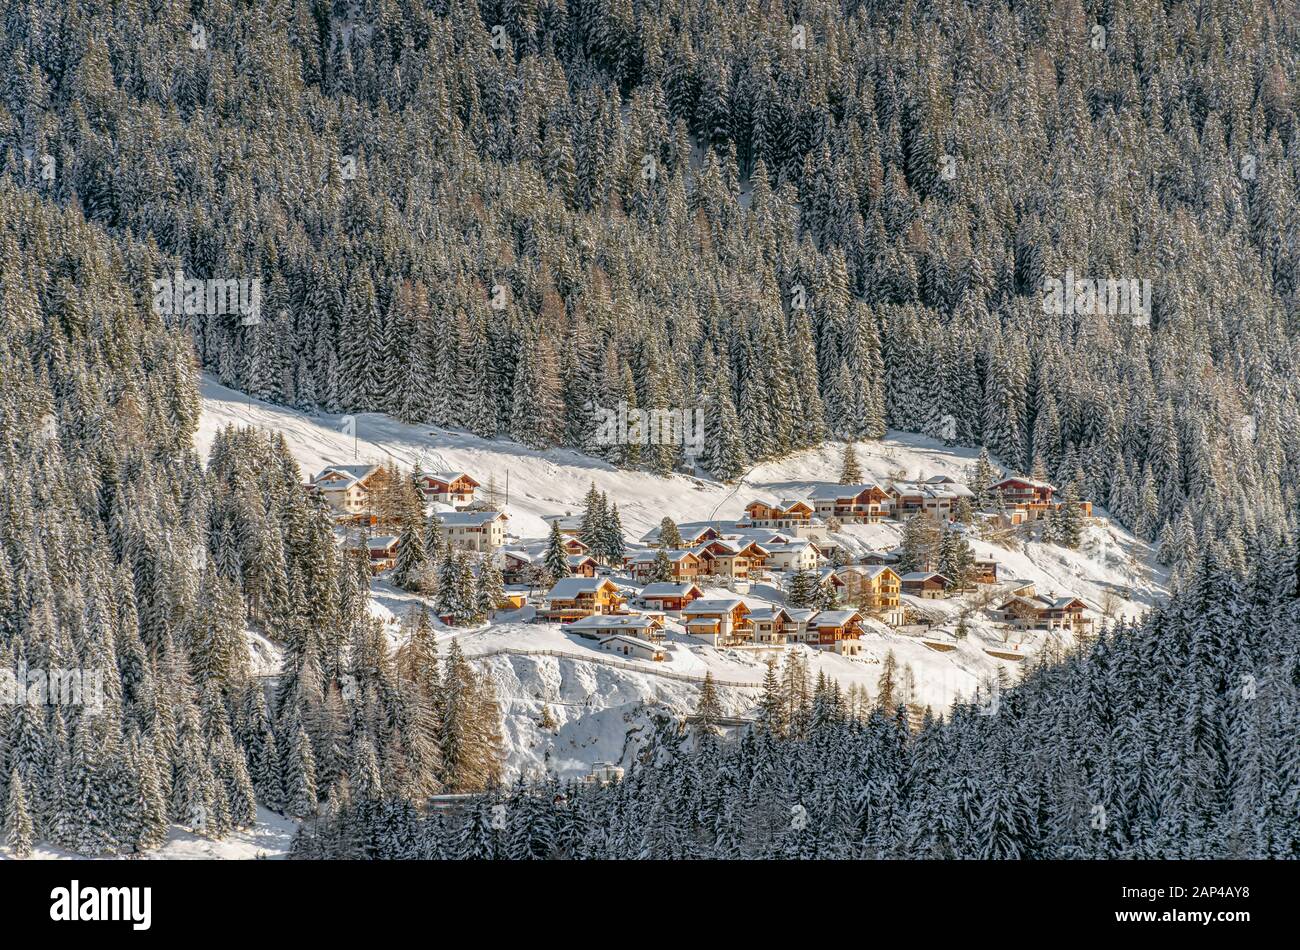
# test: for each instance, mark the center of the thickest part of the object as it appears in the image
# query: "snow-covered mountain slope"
(597, 700)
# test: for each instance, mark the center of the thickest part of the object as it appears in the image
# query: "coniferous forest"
(810, 220)
(1174, 738)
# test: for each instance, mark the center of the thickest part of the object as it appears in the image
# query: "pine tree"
(612, 546)
(547, 721)
(1070, 517)
(802, 589)
(669, 536)
(708, 712)
(772, 718)
(556, 559)
(491, 592)
(661, 568)
(850, 471)
(956, 559)
(411, 571)
(19, 833)
(921, 536)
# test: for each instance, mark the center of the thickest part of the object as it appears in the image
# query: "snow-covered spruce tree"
(611, 543)
(490, 591)
(850, 471)
(556, 559)
(669, 536)
(19, 834)
(661, 568)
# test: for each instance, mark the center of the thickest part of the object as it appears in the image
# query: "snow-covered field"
(269, 838)
(602, 705)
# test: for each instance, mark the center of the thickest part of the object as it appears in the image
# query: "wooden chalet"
(734, 559)
(685, 564)
(382, 551)
(1046, 613)
(473, 530)
(449, 488)
(937, 496)
(598, 626)
(348, 488)
(837, 630)
(633, 647)
(926, 584)
(787, 513)
(575, 597)
(986, 571)
(1028, 494)
(855, 504)
(720, 621)
(772, 626)
(670, 597)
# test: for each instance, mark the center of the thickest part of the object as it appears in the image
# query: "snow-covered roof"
(381, 542)
(691, 531)
(446, 477)
(765, 536)
(1032, 482)
(728, 545)
(834, 618)
(648, 557)
(768, 613)
(634, 641)
(832, 492)
(470, 519)
(919, 576)
(713, 605)
(789, 547)
(613, 622)
(869, 571)
(567, 588)
(350, 475)
(666, 589)
(932, 489)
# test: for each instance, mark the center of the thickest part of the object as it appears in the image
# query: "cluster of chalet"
(598, 608)
(1022, 499)
(787, 535)
(728, 622)
(593, 607)
(350, 491)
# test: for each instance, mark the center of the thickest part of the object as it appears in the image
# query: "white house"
(603, 626)
(473, 530)
(801, 555)
(633, 647)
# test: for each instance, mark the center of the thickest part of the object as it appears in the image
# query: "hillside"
(597, 703)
